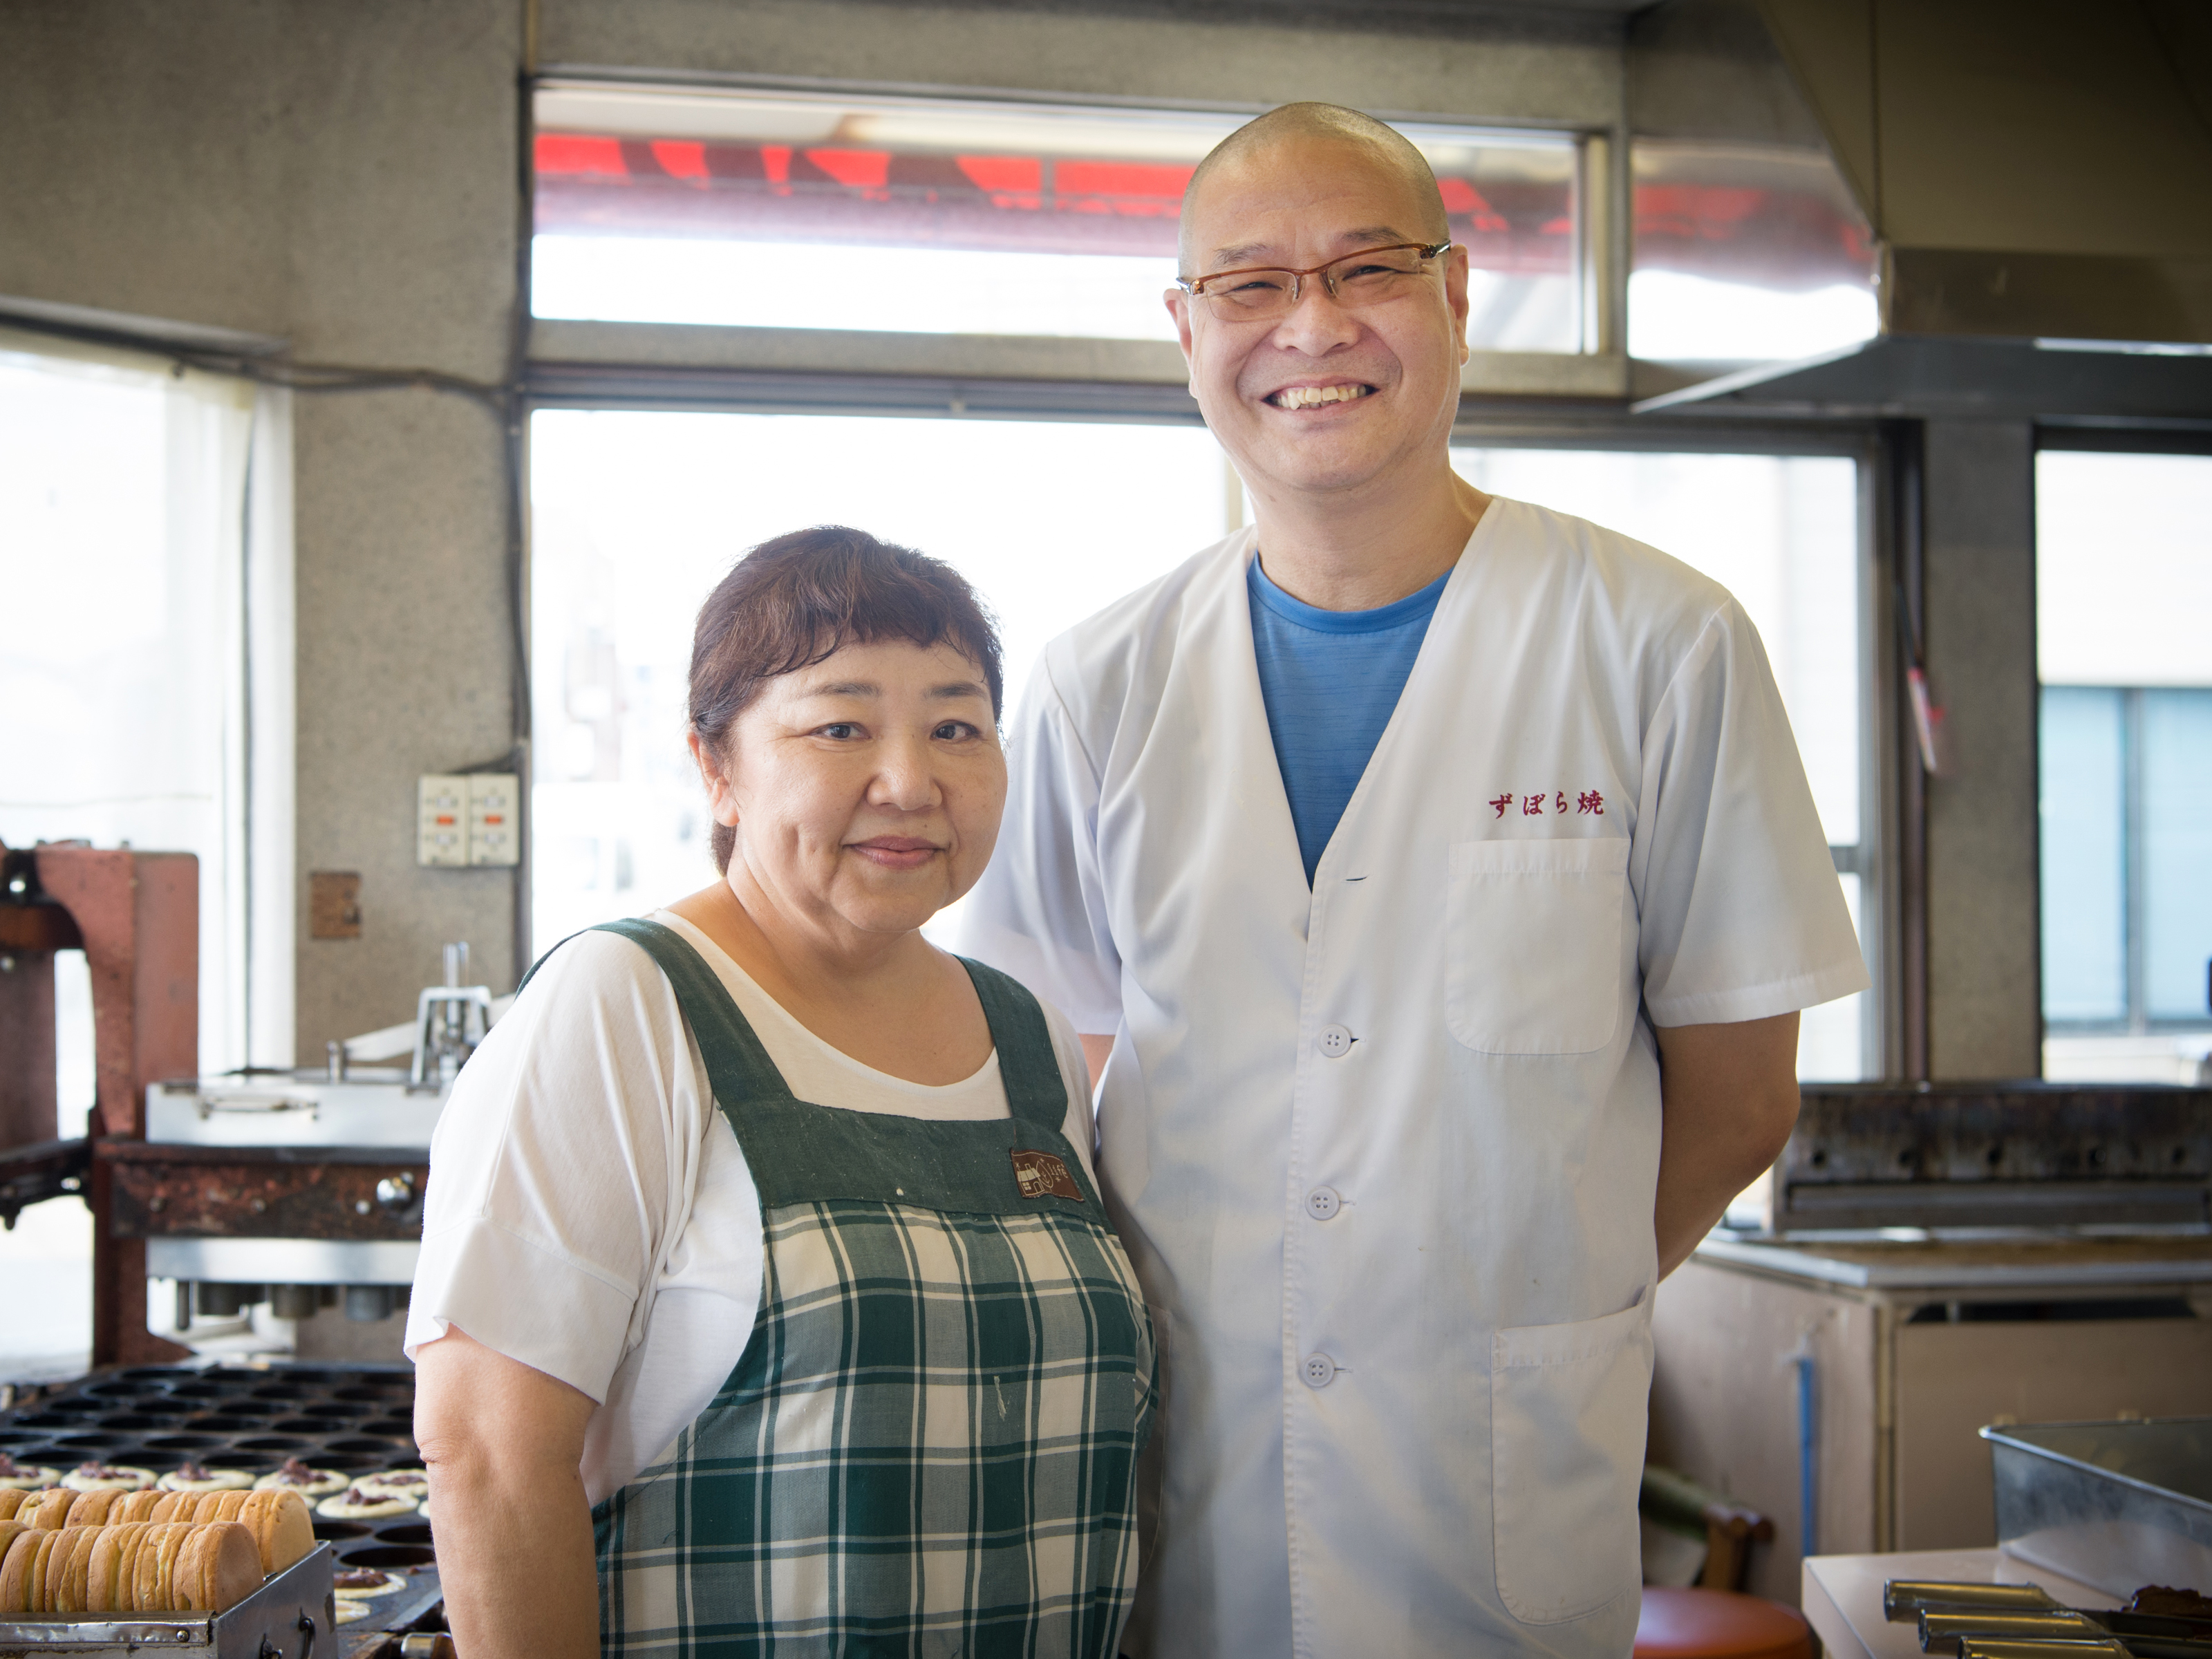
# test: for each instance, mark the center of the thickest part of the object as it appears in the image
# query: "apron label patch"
(1040, 1174)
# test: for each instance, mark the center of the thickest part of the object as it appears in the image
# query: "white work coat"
(1384, 1150)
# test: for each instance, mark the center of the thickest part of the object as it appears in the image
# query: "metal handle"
(311, 1629)
(211, 1104)
(396, 1193)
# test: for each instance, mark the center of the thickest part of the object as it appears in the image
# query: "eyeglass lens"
(1359, 279)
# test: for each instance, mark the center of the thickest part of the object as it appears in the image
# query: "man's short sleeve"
(1740, 914)
(1039, 912)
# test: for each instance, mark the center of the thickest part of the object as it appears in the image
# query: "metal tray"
(2117, 1505)
(292, 1615)
(350, 1417)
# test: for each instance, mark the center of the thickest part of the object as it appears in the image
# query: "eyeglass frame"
(1195, 286)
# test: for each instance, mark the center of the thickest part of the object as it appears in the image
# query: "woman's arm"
(502, 1443)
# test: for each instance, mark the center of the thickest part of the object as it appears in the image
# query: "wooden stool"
(1710, 1624)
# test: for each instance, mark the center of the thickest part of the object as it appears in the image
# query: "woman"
(765, 1294)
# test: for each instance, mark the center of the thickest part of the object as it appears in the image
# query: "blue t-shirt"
(1330, 679)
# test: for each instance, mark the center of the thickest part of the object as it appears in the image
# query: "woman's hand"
(502, 1443)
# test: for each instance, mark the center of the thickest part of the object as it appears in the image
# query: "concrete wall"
(1985, 995)
(345, 175)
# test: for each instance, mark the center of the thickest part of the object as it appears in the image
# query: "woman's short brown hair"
(791, 602)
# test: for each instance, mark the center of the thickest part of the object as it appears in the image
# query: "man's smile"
(1316, 396)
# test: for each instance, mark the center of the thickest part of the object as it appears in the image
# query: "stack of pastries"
(63, 1551)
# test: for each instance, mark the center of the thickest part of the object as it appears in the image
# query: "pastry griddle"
(351, 1419)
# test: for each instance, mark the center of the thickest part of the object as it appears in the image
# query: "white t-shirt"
(589, 1212)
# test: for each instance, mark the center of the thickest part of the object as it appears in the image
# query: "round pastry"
(282, 1527)
(350, 1611)
(107, 1578)
(20, 1477)
(296, 1476)
(95, 1508)
(16, 1570)
(66, 1569)
(11, 1499)
(218, 1567)
(153, 1576)
(192, 1477)
(366, 1584)
(221, 1505)
(355, 1504)
(52, 1513)
(408, 1483)
(137, 1505)
(107, 1477)
(38, 1587)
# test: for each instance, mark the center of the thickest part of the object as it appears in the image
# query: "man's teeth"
(1308, 396)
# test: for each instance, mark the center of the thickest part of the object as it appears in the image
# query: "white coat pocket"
(1568, 1405)
(1532, 946)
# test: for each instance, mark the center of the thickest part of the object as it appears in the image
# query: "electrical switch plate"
(442, 819)
(494, 821)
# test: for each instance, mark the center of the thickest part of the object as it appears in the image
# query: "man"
(1441, 877)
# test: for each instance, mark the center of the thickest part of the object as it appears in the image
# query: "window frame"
(1508, 399)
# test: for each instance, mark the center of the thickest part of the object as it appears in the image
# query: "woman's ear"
(721, 799)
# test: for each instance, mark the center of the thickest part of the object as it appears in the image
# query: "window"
(144, 549)
(1745, 252)
(2123, 571)
(1781, 533)
(775, 210)
(635, 516)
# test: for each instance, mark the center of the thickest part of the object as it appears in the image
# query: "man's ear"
(1178, 305)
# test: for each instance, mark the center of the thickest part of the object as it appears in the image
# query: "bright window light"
(921, 216)
(635, 516)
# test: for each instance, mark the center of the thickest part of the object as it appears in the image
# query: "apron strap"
(1036, 1091)
(737, 1066)
(740, 1069)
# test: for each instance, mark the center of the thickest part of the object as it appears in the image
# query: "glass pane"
(939, 217)
(1780, 532)
(2124, 568)
(1830, 1036)
(635, 516)
(2177, 854)
(1746, 253)
(2083, 806)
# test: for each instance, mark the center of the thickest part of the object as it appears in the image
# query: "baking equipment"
(1981, 1154)
(354, 1419)
(292, 1616)
(2114, 1504)
(303, 1190)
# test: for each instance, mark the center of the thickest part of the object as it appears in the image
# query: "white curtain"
(146, 681)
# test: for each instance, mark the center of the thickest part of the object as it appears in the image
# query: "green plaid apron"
(930, 1445)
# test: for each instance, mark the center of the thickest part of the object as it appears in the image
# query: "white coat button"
(1320, 1371)
(1322, 1202)
(1335, 1042)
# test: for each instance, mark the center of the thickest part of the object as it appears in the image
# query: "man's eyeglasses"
(1365, 278)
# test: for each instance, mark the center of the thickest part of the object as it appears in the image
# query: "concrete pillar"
(1985, 991)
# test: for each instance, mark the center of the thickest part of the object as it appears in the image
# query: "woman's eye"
(954, 731)
(841, 730)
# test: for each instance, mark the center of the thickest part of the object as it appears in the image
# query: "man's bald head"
(1290, 124)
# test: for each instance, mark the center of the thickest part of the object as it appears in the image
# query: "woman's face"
(865, 790)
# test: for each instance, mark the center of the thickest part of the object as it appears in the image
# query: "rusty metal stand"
(136, 915)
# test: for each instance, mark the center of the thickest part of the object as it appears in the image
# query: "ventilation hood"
(2036, 177)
